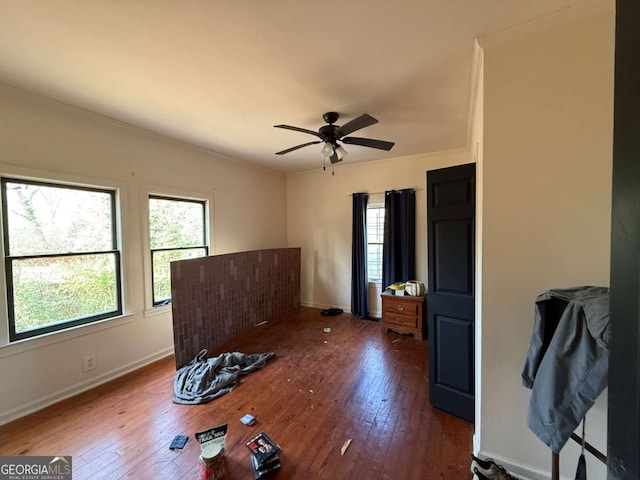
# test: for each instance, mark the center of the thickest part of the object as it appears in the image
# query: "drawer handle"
(400, 320)
(400, 308)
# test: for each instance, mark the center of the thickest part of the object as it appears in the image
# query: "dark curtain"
(399, 248)
(359, 280)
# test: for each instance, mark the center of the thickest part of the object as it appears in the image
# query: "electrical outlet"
(89, 363)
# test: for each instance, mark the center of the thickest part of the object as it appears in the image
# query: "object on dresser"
(414, 288)
(403, 314)
(396, 288)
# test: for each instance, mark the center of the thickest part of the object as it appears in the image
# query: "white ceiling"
(220, 73)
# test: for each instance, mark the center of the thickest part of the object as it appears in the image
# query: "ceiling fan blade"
(369, 142)
(334, 158)
(362, 121)
(298, 129)
(297, 147)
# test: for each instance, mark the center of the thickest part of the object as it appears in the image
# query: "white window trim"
(376, 200)
(59, 336)
(8, 348)
(151, 310)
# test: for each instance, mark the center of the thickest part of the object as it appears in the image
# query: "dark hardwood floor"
(321, 389)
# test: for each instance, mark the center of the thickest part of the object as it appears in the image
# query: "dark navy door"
(451, 295)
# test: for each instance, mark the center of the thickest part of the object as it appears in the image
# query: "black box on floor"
(260, 470)
(262, 448)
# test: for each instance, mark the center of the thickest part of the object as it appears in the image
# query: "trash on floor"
(248, 419)
(212, 442)
(178, 442)
(327, 330)
(264, 455)
(345, 446)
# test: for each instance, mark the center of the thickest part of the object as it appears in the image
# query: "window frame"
(116, 251)
(374, 205)
(205, 237)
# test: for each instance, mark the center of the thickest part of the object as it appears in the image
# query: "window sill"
(159, 310)
(21, 346)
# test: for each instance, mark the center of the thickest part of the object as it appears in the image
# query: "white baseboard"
(34, 406)
(346, 309)
(323, 306)
(522, 471)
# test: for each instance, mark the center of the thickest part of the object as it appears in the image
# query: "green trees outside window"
(62, 254)
(177, 231)
(62, 260)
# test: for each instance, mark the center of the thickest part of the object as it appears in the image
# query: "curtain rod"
(395, 189)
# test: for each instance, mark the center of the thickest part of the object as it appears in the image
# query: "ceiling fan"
(331, 134)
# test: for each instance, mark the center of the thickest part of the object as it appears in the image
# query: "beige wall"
(547, 160)
(45, 138)
(319, 218)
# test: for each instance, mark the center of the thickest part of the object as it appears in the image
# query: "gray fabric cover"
(569, 371)
(203, 379)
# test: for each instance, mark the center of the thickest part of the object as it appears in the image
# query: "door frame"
(623, 436)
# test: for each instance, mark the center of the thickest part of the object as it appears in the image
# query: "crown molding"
(552, 20)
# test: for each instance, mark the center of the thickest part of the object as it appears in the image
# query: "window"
(375, 236)
(177, 231)
(62, 261)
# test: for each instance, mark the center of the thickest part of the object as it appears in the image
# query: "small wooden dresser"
(403, 314)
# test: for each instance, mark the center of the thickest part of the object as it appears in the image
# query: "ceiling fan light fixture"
(327, 149)
(341, 152)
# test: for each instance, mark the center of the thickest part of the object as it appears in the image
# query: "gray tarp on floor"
(205, 379)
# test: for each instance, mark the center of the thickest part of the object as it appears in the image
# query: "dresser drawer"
(401, 320)
(396, 306)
